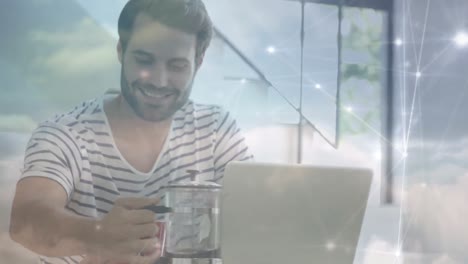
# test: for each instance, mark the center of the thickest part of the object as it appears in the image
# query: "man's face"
(158, 67)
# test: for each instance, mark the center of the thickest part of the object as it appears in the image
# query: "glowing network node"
(378, 155)
(271, 49)
(398, 42)
(461, 39)
(330, 246)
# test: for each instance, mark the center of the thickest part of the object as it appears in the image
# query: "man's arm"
(40, 222)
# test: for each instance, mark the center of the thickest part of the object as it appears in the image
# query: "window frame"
(387, 6)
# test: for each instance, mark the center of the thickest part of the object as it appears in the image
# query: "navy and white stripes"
(77, 151)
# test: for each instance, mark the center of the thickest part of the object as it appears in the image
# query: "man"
(89, 173)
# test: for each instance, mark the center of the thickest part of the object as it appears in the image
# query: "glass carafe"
(192, 228)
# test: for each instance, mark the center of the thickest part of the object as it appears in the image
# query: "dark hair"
(189, 16)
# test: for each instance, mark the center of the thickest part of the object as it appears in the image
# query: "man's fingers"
(148, 246)
(143, 231)
(138, 217)
(150, 259)
(135, 247)
(136, 202)
(151, 249)
(136, 251)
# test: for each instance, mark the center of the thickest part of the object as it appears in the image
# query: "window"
(272, 43)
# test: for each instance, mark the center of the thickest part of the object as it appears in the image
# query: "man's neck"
(122, 117)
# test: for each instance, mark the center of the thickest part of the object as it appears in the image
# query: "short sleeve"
(230, 144)
(52, 153)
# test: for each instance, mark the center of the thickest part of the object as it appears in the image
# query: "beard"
(157, 111)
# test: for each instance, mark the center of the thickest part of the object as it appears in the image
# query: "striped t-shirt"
(77, 150)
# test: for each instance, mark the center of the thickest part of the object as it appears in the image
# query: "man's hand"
(127, 234)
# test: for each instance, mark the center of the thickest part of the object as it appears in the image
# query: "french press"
(192, 226)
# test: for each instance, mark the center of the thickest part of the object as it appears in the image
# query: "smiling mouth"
(153, 93)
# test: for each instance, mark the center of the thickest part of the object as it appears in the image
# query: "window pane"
(321, 67)
(271, 41)
(362, 88)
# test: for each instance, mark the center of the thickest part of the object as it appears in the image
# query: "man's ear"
(119, 51)
(200, 60)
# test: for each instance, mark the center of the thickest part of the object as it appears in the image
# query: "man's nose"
(157, 76)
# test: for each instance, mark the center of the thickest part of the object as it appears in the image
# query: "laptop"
(295, 214)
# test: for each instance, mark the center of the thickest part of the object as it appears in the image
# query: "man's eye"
(143, 61)
(178, 66)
